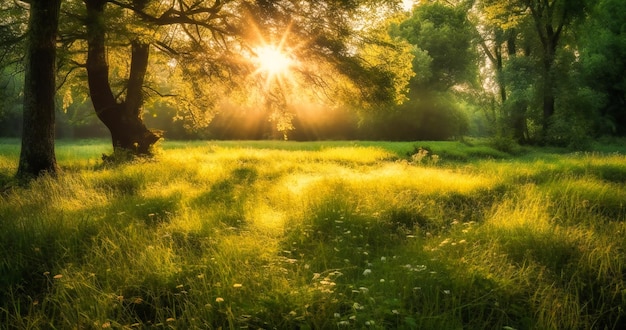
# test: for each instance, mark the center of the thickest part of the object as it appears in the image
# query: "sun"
(272, 61)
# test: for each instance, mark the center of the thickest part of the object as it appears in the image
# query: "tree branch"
(159, 93)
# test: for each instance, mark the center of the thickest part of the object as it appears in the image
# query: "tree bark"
(548, 87)
(123, 119)
(549, 25)
(518, 110)
(37, 154)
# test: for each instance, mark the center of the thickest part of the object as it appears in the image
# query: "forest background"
(547, 72)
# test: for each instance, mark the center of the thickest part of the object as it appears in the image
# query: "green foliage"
(442, 38)
(11, 84)
(443, 58)
(603, 48)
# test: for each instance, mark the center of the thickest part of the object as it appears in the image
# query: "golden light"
(408, 5)
(272, 60)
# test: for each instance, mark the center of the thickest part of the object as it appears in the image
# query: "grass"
(316, 235)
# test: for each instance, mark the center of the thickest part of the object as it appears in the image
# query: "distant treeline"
(309, 125)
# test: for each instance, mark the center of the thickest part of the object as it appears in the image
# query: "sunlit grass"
(315, 235)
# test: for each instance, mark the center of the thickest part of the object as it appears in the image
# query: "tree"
(122, 118)
(13, 24)
(603, 68)
(444, 63)
(37, 154)
(497, 33)
(211, 43)
(549, 19)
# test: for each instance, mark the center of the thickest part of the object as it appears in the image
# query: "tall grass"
(315, 235)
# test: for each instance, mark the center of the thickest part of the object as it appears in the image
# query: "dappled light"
(326, 164)
(210, 229)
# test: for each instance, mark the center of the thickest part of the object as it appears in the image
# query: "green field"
(316, 235)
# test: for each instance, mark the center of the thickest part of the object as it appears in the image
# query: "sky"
(408, 4)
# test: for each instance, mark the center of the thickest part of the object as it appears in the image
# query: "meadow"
(316, 235)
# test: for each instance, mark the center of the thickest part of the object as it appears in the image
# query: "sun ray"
(272, 60)
(274, 57)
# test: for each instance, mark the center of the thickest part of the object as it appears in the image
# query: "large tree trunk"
(123, 119)
(37, 153)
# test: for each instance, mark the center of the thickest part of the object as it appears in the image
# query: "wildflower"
(382, 280)
(395, 311)
(237, 285)
(170, 319)
(46, 273)
(106, 325)
(57, 276)
(219, 300)
(446, 291)
(357, 306)
(364, 289)
(337, 315)
(419, 268)
(383, 259)
(367, 272)
(343, 323)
